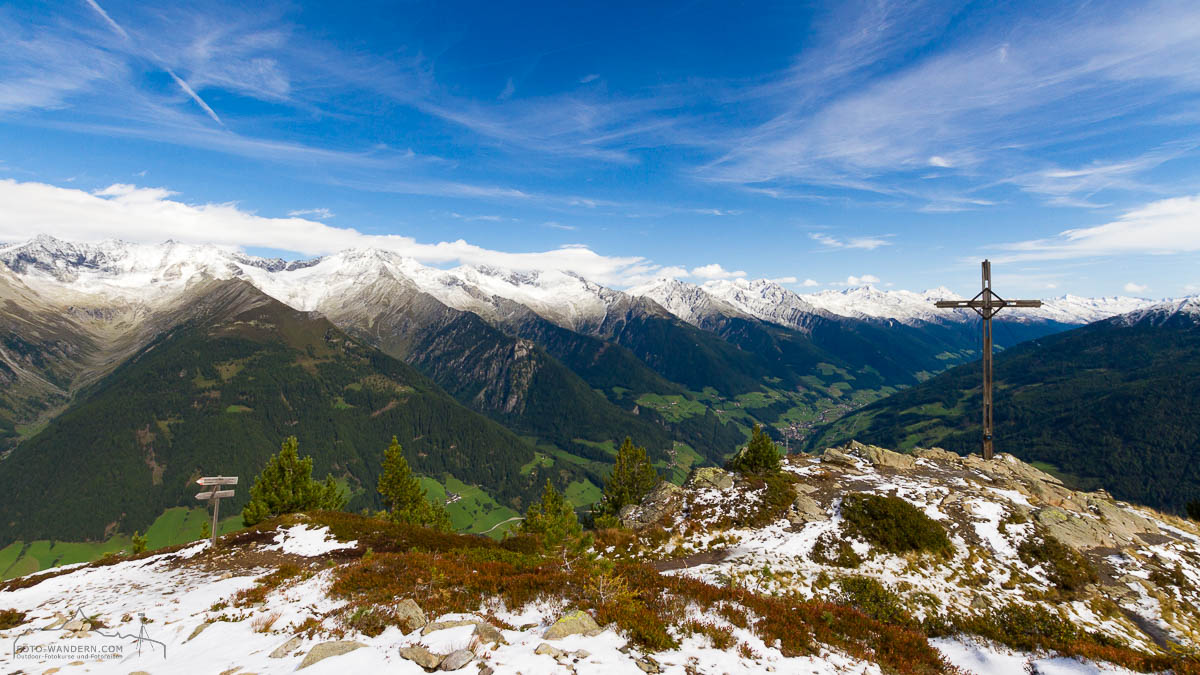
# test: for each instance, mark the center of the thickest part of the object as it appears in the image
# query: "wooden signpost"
(986, 304)
(214, 496)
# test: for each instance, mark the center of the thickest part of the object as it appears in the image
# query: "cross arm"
(945, 304)
(1023, 303)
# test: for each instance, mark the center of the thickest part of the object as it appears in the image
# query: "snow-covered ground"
(195, 623)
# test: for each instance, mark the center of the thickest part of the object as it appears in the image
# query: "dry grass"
(263, 622)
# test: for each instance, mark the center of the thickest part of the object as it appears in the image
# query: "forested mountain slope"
(216, 395)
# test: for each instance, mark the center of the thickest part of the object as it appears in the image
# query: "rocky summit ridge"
(1019, 540)
(857, 560)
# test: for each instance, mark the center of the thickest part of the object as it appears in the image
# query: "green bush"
(872, 598)
(1022, 627)
(894, 525)
(1066, 568)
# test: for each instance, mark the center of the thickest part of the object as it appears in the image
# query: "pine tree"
(632, 478)
(761, 456)
(554, 522)
(205, 530)
(403, 494)
(139, 543)
(286, 486)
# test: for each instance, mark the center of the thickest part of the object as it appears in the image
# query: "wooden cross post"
(986, 304)
(214, 496)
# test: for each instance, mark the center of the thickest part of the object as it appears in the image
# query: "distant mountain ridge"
(564, 298)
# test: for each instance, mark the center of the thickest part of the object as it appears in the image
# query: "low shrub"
(831, 549)
(1065, 567)
(265, 584)
(773, 504)
(872, 598)
(894, 525)
(11, 618)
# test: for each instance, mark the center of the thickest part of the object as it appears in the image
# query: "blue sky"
(822, 144)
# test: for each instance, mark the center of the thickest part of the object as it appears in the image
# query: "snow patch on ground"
(977, 658)
(308, 542)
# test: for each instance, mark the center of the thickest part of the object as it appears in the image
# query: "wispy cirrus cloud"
(320, 213)
(866, 243)
(977, 109)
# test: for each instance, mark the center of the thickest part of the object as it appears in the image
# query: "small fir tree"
(760, 457)
(286, 485)
(632, 478)
(205, 530)
(402, 493)
(554, 522)
(139, 542)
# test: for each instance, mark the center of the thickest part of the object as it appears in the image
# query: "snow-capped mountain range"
(114, 270)
(769, 301)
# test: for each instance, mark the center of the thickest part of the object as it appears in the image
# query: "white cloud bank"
(151, 215)
(1132, 287)
(715, 271)
(1164, 227)
(852, 280)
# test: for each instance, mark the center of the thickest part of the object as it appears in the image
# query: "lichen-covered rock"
(443, 625)
(286, 648)
(457, 659)
(421, 656)
(878, 456)
(937, 455)
(410, 616)
(489, 634)
(328, 649)
(576, 622)
(838, 457)
(663, 501)
(710, 477)
(805, 510)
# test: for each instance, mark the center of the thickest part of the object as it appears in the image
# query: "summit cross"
(986, 304)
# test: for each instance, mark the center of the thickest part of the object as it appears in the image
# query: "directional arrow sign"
(217, 480)
(219, 494)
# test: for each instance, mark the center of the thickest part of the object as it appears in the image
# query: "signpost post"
(214, 496)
